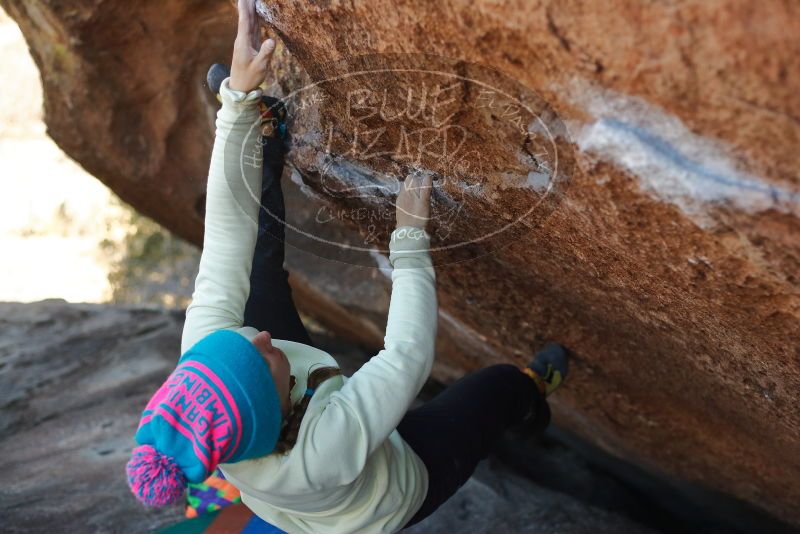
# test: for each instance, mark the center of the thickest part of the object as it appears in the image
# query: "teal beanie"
(219, 405)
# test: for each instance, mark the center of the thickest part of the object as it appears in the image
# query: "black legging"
(452, 432)
(270, 306)
(459, 427)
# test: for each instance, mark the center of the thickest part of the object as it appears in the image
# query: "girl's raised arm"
(370, 405)
(234, 188)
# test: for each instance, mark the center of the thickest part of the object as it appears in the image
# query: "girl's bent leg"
(457, 429)
(270, 305)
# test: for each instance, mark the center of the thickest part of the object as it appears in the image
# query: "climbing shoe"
(216, 74)
(549, 368)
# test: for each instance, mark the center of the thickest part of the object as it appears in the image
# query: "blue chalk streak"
(674, 156)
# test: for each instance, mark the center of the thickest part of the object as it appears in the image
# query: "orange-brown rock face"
(124, 95)
(621, 177)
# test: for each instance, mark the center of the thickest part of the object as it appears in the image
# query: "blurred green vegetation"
(149, 265)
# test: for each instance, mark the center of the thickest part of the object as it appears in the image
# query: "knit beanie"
(219, 405)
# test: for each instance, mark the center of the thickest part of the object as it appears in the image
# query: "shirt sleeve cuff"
(238, 101)
(409, 247)
(409, 239)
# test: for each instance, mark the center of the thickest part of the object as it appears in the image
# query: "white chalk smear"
(382, 261)
(265, 11)
(672, 163)
(297, 178)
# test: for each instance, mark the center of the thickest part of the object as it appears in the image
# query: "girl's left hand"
(250, 60)
(414, 201)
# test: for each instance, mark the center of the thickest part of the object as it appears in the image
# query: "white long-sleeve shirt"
(350, 470)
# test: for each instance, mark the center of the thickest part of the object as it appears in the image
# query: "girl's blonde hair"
(291, 428)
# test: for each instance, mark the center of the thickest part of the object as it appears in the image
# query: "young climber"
(310, 449)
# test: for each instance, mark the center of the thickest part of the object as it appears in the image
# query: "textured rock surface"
(73, 381)
(668, 260)
(495, 500)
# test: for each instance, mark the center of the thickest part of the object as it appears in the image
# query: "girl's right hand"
(250, 57)
(414, 201)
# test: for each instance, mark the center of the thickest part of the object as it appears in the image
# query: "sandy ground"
(52, 213)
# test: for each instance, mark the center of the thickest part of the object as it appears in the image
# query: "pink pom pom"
(154, 478)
